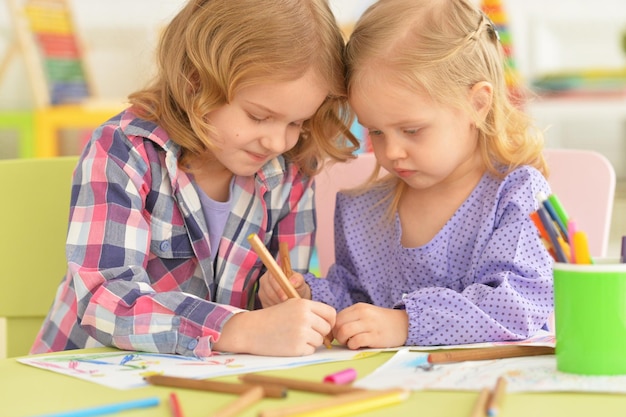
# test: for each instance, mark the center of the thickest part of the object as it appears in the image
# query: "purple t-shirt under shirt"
(484, 277)
(216, 215)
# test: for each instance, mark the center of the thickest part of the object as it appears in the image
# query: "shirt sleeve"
(126, 296)
(508, 293)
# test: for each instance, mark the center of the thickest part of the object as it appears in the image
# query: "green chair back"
(33, 226)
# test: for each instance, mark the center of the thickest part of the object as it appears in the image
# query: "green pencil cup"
(590, 317)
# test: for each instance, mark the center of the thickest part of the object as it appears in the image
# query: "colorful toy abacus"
(51, 25)
(495, 10)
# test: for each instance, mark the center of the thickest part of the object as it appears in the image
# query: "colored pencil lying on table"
(177, 410)
(271, 391)
(488, 353)
(342, 405)
(496, 397)
(245, 400)
(298, 384)
(481, 403)
(106, 409)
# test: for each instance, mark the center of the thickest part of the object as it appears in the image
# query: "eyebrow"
(275, 114)
(262, 107)
(401, 123)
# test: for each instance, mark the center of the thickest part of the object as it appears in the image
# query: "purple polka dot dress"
(484, 277)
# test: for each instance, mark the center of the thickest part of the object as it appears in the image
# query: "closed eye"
(256, 119)
(298, 124)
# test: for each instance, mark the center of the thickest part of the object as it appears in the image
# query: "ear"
(481, 97)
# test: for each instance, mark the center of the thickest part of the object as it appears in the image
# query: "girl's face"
(264, 121)
(424, 143)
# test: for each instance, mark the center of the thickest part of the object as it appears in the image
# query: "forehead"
(302, 95)
(375, 96)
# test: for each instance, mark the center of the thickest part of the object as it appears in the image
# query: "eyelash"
(259, 120)
(256, 119)
(410, 132)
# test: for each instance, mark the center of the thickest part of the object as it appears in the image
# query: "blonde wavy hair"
(214, 48)
(443, 48)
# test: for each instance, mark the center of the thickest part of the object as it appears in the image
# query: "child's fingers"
(302, 288)
(270, 292)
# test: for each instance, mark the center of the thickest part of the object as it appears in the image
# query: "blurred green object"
(33, 219)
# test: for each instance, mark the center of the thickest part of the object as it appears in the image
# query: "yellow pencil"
(342, 405)
(581, 248)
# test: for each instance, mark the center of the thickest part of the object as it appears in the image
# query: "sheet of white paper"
(407, 369)
(123, 370)
(541, 338)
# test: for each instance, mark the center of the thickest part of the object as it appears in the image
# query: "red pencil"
(177, 411)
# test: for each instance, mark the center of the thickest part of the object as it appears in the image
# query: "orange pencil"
(534, 216)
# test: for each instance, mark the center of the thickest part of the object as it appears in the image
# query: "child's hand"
(365, 325)
(270, 292)
(293, 328)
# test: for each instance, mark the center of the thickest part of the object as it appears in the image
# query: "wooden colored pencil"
(496, 352)
(245, 400)
(272, 266)
(177, 411)
(342, 405)
(285, 260)
(496, 398)
(271, 391)
(298, 384)
(480, 406)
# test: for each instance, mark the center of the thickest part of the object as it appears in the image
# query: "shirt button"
(192, 345)
(165, 245)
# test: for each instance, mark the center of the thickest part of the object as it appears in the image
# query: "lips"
(258, 157)
(403, 173)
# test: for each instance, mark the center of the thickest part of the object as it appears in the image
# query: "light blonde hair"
(214, 48)
(443, 48)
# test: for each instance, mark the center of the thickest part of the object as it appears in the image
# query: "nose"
(278, 139)
(393, 148)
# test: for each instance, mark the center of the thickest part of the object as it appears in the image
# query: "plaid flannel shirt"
(140, 272)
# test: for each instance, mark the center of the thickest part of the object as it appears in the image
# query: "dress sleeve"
(342, 287)
(508, 293)
(126, 278)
